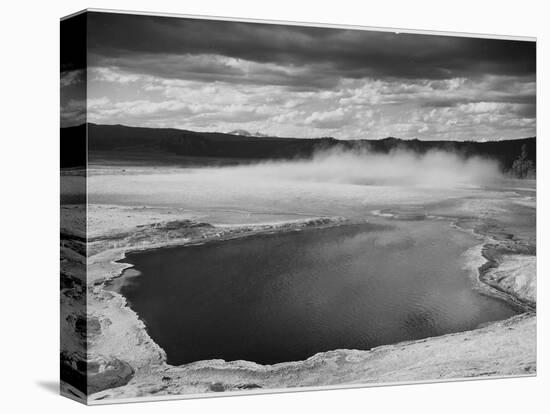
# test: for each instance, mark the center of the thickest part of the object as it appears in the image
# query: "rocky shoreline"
(126, 363)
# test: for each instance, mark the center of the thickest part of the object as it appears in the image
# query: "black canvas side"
(73, 236)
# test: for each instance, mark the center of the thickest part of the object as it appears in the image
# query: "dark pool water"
(285, 297)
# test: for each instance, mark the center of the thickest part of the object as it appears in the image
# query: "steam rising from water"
(433, 169)
(342, 183)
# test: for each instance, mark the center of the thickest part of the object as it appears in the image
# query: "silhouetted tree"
(523, 167)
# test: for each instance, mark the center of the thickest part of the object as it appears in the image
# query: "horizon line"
(482, 140)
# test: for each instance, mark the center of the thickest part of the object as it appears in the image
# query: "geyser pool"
(286, 296)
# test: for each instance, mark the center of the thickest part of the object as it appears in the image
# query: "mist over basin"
(349, 184)
(284, 297)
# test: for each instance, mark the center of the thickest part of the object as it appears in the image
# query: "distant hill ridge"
(154, 142)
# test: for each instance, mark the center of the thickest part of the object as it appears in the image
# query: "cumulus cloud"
(72, 77)
(327, 119)
(73, 112)
(305, 81)
(369, 109)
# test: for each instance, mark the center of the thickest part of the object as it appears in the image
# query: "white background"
(29, 98)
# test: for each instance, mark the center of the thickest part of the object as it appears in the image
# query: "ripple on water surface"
(283, 297)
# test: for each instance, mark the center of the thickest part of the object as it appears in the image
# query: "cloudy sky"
(304, 82)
